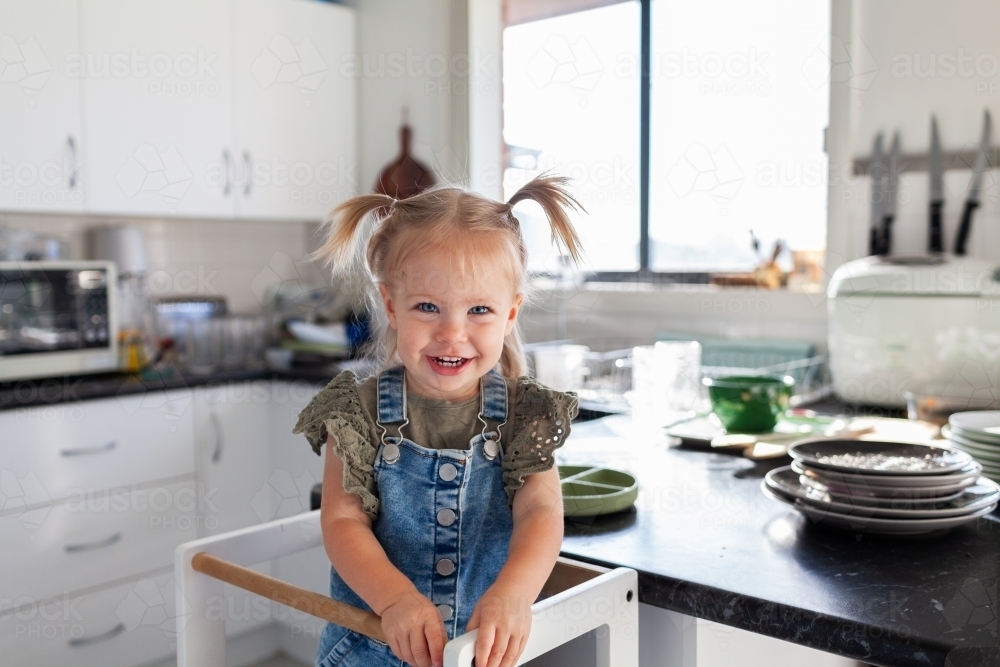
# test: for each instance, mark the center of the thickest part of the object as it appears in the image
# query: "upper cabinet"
(40, 106)
(195, 108)
(290, 65)
(157, 106)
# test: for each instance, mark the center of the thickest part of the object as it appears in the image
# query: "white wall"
(892, 86)
(412, 54)
(238, 259)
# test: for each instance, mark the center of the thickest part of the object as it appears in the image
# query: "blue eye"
(427, 307)
(479, 310)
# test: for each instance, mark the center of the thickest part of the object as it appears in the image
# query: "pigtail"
(345, 240)
(552, 194)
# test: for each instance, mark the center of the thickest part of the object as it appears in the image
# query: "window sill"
(810, 290)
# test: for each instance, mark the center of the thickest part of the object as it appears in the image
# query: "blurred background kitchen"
(165, 168)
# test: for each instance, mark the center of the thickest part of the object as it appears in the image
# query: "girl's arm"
(538, 533)
(503, 614)
(347, 535)
(411, 622)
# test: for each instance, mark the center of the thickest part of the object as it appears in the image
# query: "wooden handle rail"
(311, 603)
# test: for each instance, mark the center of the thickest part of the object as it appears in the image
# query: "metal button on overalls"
(448, 472)
(390, 453)
(446, 507)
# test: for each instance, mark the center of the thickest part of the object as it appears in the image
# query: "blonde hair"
(466, 223)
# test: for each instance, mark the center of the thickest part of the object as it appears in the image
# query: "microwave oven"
(57, 318)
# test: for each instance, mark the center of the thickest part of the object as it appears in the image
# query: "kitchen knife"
(878, 177)
(972, 201)
(935, 242)
(889, 200)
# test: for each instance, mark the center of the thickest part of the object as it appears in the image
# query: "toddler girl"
(441, 508)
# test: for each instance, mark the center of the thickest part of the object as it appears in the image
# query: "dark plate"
(879, 457)
(888, 481)
(873, 496)
(787, 482)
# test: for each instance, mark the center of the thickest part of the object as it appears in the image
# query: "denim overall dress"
(443, 519)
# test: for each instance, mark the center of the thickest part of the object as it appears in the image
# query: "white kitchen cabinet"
(95, 539)
(132, 623)
(157, 110)
(77, 448)
(233, 454)
(295, 110)
(297, 468)
(40, 140)
(198, 108)
(232, 421)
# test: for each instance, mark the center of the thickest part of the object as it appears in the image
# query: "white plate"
(889, 481)
(978, 424)
(983, 493)
(948, 432)
(873, 525)
(977, 452)
(954, 433)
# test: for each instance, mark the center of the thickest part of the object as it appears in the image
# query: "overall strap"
(493, 397)
(493, 406)
(392, 399)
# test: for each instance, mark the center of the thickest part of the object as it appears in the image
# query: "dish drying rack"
(607, 376)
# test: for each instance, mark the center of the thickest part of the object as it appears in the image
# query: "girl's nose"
(451, 331)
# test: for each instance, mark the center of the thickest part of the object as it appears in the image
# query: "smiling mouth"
(448, 365)
(450, 362)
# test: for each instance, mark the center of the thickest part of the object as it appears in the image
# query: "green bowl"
(749, 403)
(589, 491)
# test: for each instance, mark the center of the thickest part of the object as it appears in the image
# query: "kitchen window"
(688, 128)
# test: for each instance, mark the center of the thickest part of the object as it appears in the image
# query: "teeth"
(449, 361)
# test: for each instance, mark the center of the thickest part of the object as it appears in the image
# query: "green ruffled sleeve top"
(344, 412)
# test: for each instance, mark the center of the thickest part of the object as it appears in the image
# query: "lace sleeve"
(542, 419)
(336, 412)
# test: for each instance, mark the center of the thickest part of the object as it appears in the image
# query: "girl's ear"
(515, 309)
(390, 307)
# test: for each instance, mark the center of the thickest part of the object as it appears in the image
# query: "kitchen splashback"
(238, 259)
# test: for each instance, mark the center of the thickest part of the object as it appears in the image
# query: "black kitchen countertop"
(708, 543)
(51, 391)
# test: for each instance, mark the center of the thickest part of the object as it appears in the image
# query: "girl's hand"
(503, 616)
(413, 626)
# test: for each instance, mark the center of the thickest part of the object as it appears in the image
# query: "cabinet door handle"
(247, 187)
(90, 546)
(217, 429)
(86, 451)
(73, 166)
(227, 160)
(103, 637)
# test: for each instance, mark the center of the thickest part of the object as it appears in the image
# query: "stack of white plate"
(978, 435)
(883, 487)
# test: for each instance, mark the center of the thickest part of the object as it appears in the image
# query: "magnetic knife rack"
(917, 162)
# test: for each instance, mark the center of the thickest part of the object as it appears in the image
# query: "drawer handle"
(249, 172)
(86, 641)
(86, 451)
(217, 428)
(90, 546)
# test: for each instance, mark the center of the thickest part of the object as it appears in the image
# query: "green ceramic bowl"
(747, 403)
(589, 491)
